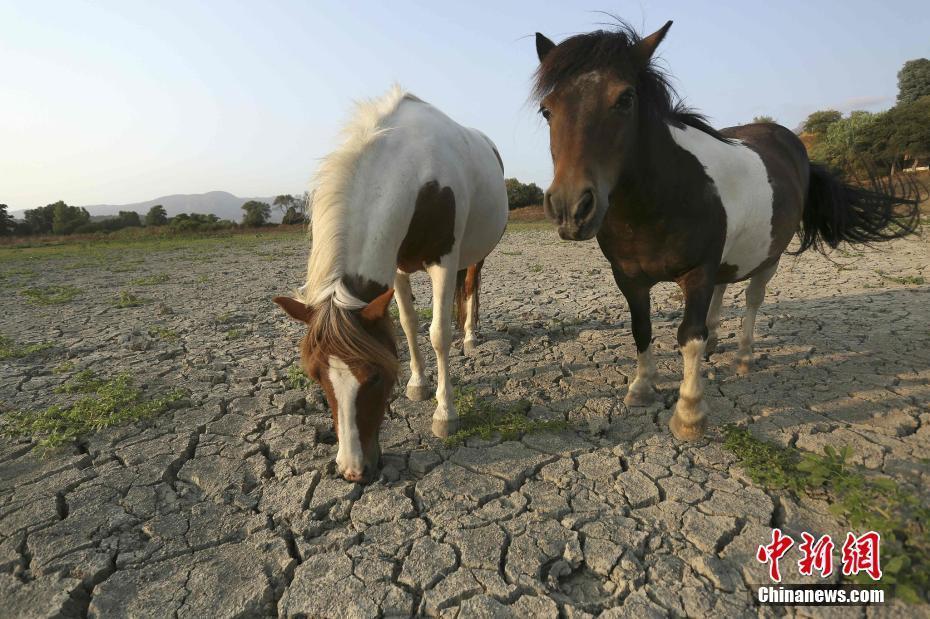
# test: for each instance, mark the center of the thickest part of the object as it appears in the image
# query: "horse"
(671, 199)
(409, 189)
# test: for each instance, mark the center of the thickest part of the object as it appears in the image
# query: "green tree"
(129, 219)
(521, 194)
(293, 216)
(284, 202)
(818, 122)
(39, 220)
(914, 80)
(763, 119)
(66, 219)
(909, 130)
(7, 225)
(256, 213)
(157, 216)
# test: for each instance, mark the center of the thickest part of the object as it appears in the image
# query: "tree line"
(60, 218)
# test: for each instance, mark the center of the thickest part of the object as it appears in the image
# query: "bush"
(521, 194)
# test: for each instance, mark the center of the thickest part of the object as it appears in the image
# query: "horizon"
(114, 104)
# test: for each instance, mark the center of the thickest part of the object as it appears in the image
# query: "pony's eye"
(625, 101)
(375, 380)
(545, 113)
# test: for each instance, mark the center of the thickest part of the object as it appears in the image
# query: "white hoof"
(418, 393)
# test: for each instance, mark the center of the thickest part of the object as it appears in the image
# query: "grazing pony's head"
(601, 94)
(352, 355)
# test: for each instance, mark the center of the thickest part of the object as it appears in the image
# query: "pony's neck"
(652, 172)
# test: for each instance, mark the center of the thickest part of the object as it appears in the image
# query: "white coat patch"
(742, 182)
(349, 456)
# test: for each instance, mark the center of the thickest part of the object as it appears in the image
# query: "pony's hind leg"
(713, 319)
(418, 386)
(471, 302)
(690, 418)
(445, 419)
(755, 294)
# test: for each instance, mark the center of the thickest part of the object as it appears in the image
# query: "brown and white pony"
(671, 199)
(408, 190)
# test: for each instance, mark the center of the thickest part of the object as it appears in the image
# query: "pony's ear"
(647, 47)
(376, 309)
(295, 308)
(543, 45)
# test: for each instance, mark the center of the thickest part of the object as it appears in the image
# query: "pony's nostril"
(584, 205)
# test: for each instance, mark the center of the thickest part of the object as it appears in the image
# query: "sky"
(120, 102)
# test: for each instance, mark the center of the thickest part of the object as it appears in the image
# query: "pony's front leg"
(418, 387)
(445, 419)
(642, 389)
(690, 418)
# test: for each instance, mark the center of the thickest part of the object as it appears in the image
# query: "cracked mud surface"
(226, 505)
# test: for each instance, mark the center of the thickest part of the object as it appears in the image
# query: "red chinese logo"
(817, 555)
(775, 551)
(861, 554)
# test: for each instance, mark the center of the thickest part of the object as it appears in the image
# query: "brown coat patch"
(431, 234)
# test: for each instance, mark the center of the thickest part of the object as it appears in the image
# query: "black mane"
(614, 49)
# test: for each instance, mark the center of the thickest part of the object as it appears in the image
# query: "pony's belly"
(749, 246)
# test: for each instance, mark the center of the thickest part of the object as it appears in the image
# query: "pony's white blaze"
(349, 457)
(742, 182)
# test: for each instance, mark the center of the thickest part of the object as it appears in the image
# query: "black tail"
(467, 283)
(837, 211)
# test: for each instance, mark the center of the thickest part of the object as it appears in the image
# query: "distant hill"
(220, 203)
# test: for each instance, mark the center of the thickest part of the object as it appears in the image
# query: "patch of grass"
(486, 417)
(163, 333)
(11, 350)
(865, 502)
(50, 295)
(63, 367)
(535, 268)
(82, 382)
(296, 379)
(234, 334)
(425, 314)
(224, 318)
(151, 280)
(127, 299)
(113, 402)
(914, 280)
(123, 268)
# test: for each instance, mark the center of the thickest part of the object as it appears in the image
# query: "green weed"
(63, 367)
(486, 417)
(914, 280)
(113, 402)
(296, 379)
(163, 333)
(50, 295)
(234, 334)
(11, 350)
(127, 299)
(864, 502)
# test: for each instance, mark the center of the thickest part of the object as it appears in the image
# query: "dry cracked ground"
(226, 504)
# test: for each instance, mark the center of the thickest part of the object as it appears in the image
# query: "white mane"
(328, 188)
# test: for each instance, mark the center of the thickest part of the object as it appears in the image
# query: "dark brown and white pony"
(408, 190)
(671, 199)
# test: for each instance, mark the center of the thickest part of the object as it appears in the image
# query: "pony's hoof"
(470, 347)
(710, 348)
(418, 393)
(444, 428)
(742, 366)
(684, 432)
(639, 398)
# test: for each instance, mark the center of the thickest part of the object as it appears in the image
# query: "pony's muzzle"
(574, 216)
